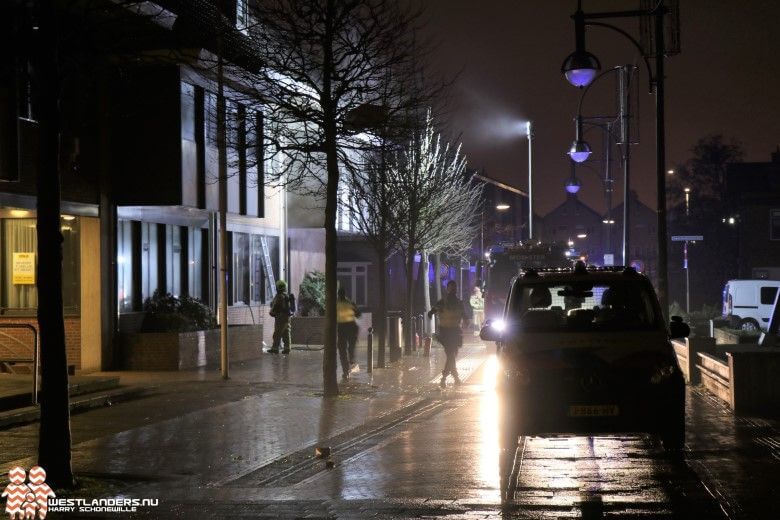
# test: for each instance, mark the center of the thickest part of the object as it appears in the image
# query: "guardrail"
(33, 359)
(744, 377)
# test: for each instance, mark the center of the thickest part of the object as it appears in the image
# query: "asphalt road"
(440, 460)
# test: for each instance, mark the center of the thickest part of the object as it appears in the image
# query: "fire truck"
(505, 261)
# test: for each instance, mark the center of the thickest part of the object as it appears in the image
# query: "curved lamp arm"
(651, 77)
(585, 91)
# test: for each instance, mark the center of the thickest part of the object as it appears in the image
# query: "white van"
(749, 303)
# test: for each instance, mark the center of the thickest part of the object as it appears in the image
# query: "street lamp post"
(580, 69)
(530, 134)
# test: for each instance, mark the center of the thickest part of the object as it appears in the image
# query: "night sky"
(725, 81)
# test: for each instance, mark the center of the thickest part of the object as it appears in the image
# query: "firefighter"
(452, 314)
(346, 317)
(282, 307)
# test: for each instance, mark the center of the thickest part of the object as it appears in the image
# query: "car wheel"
(749, 325)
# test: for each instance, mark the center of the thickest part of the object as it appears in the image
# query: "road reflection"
(488, 477)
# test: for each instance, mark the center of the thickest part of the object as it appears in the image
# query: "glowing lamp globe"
(580, 67)
(579, 151)
(573, 185)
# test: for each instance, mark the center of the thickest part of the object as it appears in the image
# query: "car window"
(768, 295)
(583, 307)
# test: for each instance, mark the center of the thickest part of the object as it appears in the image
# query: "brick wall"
(72, 337)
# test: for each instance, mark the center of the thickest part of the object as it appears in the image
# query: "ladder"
(267, 267)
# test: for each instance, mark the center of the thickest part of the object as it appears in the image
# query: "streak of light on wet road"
(453, 455)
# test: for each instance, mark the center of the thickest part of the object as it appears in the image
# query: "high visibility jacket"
(450, 311)
(346, 311)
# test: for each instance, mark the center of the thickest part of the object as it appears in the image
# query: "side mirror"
(678, 329)
(492, 330)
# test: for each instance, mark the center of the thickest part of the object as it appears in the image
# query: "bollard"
(394, 335)
(370, 350)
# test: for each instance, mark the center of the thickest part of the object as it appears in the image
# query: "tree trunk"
(329, 367)
(407, 326)
(437, 278)
(426, 267)
(380, 320)
(222, 209)
(54, 448)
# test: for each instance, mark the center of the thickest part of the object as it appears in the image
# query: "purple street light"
(573, 185)
(580, 67)
(580, 150)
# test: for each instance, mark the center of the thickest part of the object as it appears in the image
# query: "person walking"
(452, 314)
(477, 303)
(282, 307)
(346, 318)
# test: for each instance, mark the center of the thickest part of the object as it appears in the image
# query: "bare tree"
(373, 214)
(436, 205)
(325, 64)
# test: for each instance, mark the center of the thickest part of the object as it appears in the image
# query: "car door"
(767, 294)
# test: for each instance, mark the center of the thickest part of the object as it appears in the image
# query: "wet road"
(440, 459)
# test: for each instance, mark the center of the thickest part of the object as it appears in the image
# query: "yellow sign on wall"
(24, 269)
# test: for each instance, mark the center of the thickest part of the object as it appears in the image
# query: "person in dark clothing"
(282, 307)
(346, 318)
(452, 314)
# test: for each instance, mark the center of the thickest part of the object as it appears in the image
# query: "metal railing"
(21, 359)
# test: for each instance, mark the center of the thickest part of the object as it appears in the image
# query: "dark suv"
(586, 351)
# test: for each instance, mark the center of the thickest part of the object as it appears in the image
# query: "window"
(71, 264)
(241, 268)
(19, 275)
(352, 276)
(242, 16)
(173, 260)
(774, 224)
(19, 236)
(149, 259)
(124, 265)
(768, 295)
(261, 283)
(210, 122)
(195, 263)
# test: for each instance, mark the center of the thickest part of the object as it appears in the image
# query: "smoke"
(488, 123)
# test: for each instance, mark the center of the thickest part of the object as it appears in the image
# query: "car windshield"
(582, 307)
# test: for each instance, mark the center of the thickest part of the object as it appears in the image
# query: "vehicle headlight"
(498, 325)
(662, 374)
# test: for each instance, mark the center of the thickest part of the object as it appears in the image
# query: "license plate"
(593, 410)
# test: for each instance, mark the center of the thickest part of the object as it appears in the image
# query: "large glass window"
(241, 268)
(173, 259)
(71, 263)
(149, 259)
(124, 265)
(194, 262)
(20, 259)
(261, 266)
(19, 241)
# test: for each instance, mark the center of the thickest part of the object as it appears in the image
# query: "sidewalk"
(192, 426)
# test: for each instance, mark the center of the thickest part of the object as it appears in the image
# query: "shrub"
(167, 313)
(311, 296)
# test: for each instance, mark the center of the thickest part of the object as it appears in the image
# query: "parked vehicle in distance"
(586, 351)
(748, 304)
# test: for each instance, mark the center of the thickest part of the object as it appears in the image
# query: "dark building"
(576, 224)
